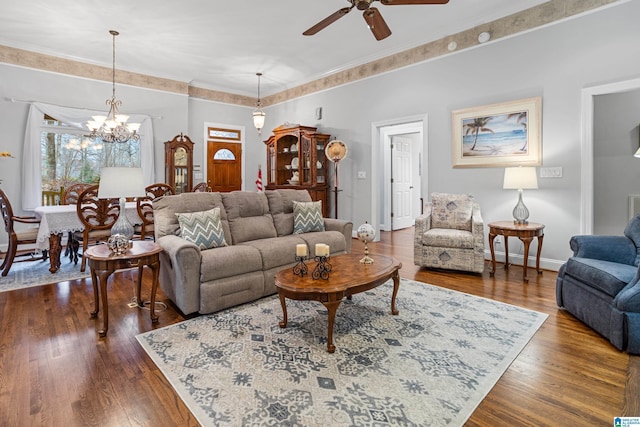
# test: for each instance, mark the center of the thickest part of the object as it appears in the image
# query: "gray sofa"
(258, 228)
(600, 285)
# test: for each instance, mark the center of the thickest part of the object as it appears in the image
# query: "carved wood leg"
(525, 261)
(55, 248)
(155, 270)
(506, 252)
(103, 277)
(332, 308)
(538, 255)
(492, 237)
(283, 322)
(396, 287)
(96, 299)
(139, 286)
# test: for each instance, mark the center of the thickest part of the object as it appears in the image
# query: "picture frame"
(498, 135)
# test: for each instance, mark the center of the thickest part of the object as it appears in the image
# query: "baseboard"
(517, 259)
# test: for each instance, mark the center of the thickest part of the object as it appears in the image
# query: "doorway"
(394, 204)
(224, 162)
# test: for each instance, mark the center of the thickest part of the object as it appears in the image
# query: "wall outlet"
(551, 172)
(362, 175)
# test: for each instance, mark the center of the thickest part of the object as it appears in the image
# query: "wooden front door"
(224, 166)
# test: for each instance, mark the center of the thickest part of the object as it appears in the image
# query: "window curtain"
(75, 117)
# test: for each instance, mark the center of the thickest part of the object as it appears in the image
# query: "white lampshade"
(121, 182)
(520, 178)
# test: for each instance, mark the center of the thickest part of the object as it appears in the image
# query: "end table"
(102, 263)
(524, 232)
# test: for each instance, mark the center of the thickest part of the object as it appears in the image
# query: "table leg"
(538, 254)
(103, 276)
(283, 322)
(506, 252)
(155, 270)
(55, 248)
(492, 237)
(96, 299)
(332, 308)
(396, 287)
(525, 261)
(139, 286)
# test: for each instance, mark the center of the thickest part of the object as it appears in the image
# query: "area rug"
(34, 273)
(430, 365)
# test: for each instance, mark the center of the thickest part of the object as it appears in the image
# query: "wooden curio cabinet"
(298, 152)
(178, 163)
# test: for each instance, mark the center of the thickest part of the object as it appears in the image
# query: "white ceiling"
(221, 45)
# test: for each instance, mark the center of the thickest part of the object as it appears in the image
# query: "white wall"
(555, 62)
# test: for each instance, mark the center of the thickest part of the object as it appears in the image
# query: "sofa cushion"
(165, 209)
(248, 215)
(451, 211)
(202, 228)
(448, 238)
(335, 240)
(276, 251)
(281, 207)
(307, 217)
(229, 261)
(606, 276)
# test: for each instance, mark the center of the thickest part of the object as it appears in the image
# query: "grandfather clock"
(178, 163)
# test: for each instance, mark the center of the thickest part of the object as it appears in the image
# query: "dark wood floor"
(56, 371)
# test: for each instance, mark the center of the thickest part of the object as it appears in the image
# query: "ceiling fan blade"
(399, 2)
(376, 23)
(327, 21)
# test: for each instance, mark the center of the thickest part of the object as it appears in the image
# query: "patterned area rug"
(430, 365)
(34, 273)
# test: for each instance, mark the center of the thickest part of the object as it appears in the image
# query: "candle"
(301, 250)
(326, 250)
(320, 249)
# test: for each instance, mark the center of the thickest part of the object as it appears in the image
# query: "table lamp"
(520, 178)
(121, 183)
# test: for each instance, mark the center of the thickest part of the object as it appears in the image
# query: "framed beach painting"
(498, 135)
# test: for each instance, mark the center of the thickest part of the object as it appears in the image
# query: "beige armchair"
(450, 234)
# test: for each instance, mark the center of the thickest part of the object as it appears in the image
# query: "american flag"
(259, 180)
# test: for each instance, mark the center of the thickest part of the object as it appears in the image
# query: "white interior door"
(402, 212)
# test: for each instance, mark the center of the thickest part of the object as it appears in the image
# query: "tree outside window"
(69, 157)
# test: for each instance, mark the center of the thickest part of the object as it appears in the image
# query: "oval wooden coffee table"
(348, 277)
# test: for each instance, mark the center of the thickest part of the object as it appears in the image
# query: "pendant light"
(258, 115)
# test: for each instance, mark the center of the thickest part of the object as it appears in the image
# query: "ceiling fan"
(371, 15)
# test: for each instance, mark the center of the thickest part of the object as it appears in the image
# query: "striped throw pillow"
(202, 228)
(307, 217)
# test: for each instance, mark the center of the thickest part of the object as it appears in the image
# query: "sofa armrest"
(422, 224)
(343, 226)
(180, 272)
(628, 299)
(606, 248)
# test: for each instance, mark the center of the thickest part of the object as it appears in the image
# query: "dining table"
(60, 219)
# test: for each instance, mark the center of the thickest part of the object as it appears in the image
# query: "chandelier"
(113, 127)
(258, 115)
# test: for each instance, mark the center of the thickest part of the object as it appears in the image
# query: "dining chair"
(97, 216)
(70, 197)
(52, 197)
(145, 207)
(17, 238)
(201, 187)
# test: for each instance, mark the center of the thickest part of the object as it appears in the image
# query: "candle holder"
(300, 269)
(322, 269)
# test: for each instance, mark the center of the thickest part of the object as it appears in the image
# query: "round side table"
(524, 232)
(102, 263)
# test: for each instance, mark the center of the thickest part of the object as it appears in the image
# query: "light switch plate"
(551, 172)
(362, 175)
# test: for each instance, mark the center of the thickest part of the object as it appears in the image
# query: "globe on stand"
(366, 233)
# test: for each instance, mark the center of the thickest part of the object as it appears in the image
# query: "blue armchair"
(600, 285)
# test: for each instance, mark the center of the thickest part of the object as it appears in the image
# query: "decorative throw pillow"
(307, 217)
(202, 228)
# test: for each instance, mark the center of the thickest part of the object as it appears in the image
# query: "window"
(68, 156)
(224, 154)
